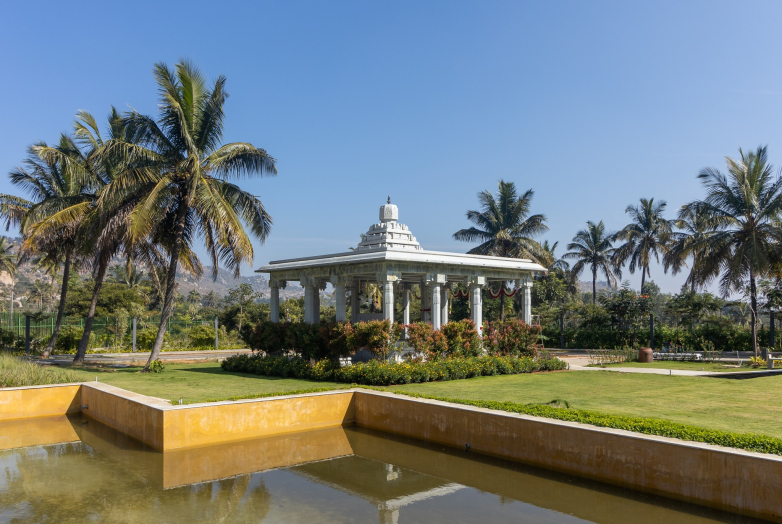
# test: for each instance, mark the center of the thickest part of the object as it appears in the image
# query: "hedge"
(377, 373)
(649, 426)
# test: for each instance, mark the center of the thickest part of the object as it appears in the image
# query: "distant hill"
(225, 281)
(586, 287)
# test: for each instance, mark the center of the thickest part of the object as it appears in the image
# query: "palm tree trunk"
(85, 338)
(61, 309)
(643, 279)
(168, 300)
(502, 302)
(753, 308)
(594, 285)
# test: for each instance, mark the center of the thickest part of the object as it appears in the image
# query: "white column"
(388, 300)
(476, 303)
(406, 303)
(339, 291)
(527, 287)
(424, 302)
(354, 302)
(274, 301)
(436, 295)
(444, 303)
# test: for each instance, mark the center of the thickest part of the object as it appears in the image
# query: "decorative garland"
(460, 294)
(502, 291)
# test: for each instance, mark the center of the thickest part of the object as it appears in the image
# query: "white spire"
(389, 234)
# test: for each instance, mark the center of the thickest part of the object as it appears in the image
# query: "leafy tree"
(691, 307)
(182, 178)
(592, 247)
(505, 228)
(743, 206)
(556, 263)
(242, 295)
(647, 235)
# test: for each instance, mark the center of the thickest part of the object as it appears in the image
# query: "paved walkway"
(580, 363)
(141, 357)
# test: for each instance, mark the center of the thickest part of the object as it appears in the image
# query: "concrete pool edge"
(723, 478)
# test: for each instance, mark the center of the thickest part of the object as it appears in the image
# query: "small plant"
(757, 362)
(156, 366)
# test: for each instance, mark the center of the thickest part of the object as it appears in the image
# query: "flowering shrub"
(377, 373)
(512, 337)
(458, 338)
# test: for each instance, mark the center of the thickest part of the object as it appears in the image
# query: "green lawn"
(197, 382)
(749, 405)
(692, 366)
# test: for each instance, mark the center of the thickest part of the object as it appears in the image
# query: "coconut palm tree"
(743, 205)
(592, 247)
(505, 228)
(556, 263)
(691, 241)
(60, 190)
(182, 176)
(646, 236)
(7, 259)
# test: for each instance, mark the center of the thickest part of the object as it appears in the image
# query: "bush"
(376, 373)
(511, 338)
(145, 338)
(459, 338)
(157, 366)
(201, 336)
(69, 338)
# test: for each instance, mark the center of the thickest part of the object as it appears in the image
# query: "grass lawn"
(197, 382)
(692, 366)
(749, 405)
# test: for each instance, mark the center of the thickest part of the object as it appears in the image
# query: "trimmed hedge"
(649, 426)
(376, 373)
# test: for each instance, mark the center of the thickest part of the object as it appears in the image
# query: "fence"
(107, 331)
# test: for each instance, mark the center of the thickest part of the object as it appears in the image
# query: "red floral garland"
(502, 291)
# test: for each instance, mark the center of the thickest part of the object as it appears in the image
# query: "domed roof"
(389, 234)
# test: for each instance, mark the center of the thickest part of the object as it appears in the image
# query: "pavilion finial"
(389, 199)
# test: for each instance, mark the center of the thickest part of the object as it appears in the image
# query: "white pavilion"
(390, 256)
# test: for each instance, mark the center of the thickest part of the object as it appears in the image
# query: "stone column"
(424, 303)
(354, 302)
(406, 303)
(342, 311)
(527, 287)
(476, 302)
(319, 286)
(436, 296)
(387, 280)
(274, 300)
(309, 289)
(444, 303)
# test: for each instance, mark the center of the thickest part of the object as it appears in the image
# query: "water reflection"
(94, 473)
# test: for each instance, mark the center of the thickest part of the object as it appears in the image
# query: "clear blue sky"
(591, 104)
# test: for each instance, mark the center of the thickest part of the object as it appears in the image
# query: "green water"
(95, 474)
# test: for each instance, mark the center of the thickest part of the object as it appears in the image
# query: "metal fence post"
(27, 334)
(134, 334)
(216, 340)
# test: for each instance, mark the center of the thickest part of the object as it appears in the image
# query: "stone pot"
(645, 355)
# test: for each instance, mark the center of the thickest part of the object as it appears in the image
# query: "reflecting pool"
(64, 469)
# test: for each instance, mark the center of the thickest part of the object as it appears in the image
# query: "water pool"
(73, 469)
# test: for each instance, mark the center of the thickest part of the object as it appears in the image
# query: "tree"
(743, 206)
(242, 295)
(648, 234)
(61, 188)
(556, 263)
(691, 242)
(7, 259)
(210, 299)
(505, 228)
(592, 247)
(182, 177)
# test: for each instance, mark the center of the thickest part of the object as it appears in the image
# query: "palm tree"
(647, 235)
(592, 247)
(61, 191)
(691, 241)
(743, 206)
(181, 175)
(505, 228)
(210, 299)
(556, 263)
(7, 259)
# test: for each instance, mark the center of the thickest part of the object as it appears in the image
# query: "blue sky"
(591, 104)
